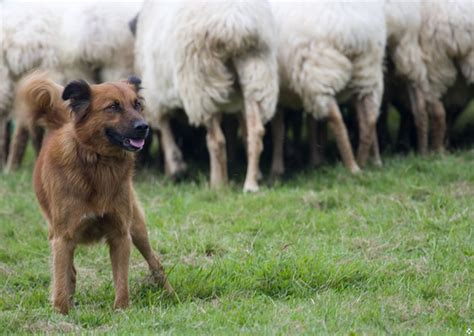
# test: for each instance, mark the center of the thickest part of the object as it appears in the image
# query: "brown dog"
(83, 175)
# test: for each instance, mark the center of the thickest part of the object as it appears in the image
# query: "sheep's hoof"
(250, 187)
(178, 172)
(378, 163)
(355, 169)
(276, 175)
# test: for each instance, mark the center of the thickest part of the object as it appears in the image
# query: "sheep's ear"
(78, 92)
(132, 24)
(135, 81)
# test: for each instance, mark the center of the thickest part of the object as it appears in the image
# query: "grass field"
(388, 252)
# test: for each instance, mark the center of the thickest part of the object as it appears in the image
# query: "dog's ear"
(78, 92)
(132, 24)
(135, 81)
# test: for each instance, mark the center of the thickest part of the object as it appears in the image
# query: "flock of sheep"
(252, 58)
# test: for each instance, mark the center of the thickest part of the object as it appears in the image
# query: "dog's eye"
(137, 105)
(115, 106)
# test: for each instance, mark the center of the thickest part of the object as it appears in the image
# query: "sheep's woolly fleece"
(206, 63)
(325, 48)
(447, 40)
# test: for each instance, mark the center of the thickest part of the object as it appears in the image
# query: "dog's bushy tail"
(38, 102)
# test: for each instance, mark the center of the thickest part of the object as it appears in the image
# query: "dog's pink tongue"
(137, 142)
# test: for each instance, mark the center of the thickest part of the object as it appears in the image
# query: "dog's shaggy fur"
(83, 175)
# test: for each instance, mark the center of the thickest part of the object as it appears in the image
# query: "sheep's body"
(403, 28)
(89, 41)
(208, 58)
(97, 37)
(328, 50)
(447, 40)
(404, 51)
(28, 41)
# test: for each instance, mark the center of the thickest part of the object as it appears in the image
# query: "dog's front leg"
(120, 244)
(63, 252)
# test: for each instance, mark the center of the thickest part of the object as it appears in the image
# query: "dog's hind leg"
(141, 242)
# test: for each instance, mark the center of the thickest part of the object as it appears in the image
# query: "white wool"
(97, 35)
(403, 29)
(447, 40)
(326, 48)
(71, 41)
(29, 38)
(205, 57)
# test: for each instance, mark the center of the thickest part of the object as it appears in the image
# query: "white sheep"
(89, 41)
(27, 41)
(328, 51)
(208, 58)
(447, 41)
(403, 20)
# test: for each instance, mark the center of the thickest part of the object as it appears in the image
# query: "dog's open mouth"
(132, 143)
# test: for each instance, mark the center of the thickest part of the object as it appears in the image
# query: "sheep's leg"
(342, 138)
(294, 123)
(17, 147)
(420, 116)
(3, 139)
(217, 152)
(243, 128)
(317, 138)
(367, 119)
(376, 159)
(174, 164)
(438, 115)
(37, 138)
(278, 137)
(230, 129)
(382, 127)
(254, 139)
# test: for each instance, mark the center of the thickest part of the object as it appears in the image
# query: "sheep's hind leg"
(342, 138)
(3, 140)
(243, 129)
(376, 159)
(367, 119)
(175, 167)
(217, 152)
(438, 116)
(278, 137)
(317, 138)
(17, 147)
(420, 116)
(255, 133)
(37, 134)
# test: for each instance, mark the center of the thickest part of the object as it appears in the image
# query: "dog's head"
(108, 117)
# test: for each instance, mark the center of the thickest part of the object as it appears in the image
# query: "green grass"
(388, 252)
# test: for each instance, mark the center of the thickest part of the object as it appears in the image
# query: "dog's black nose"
(140, 125)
